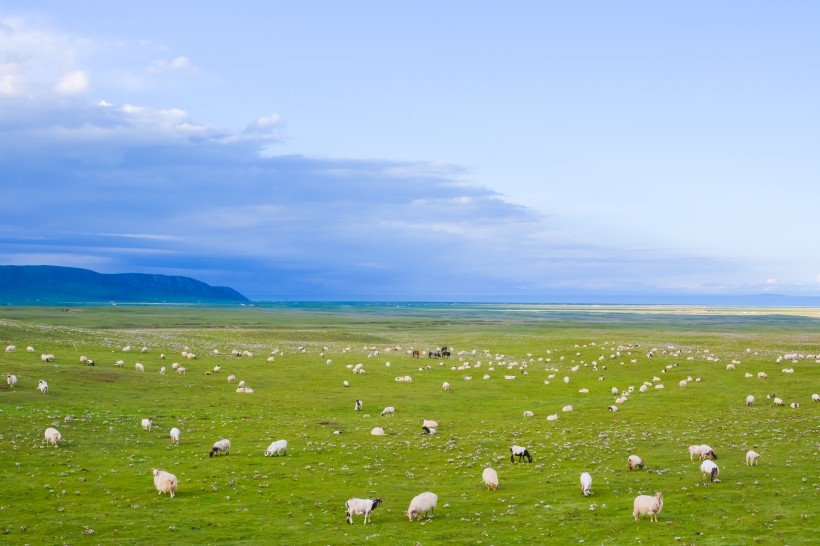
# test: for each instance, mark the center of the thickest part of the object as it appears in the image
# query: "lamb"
(221, 446)
(490, 478)
(751, 458)
(635, 462)
(11, 380)
(521, 452)
(389, 410)
(165, 482)
(53, 436)
(139, 367)
(647, 504)
(709, 468)
(429, 423)
(360, 506)
(421, 504)
(277, 447)
(586, 484)
(749, 401)
(42, 386)
(358, 405)
(175, 436)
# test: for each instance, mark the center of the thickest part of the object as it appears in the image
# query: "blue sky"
(425, 150)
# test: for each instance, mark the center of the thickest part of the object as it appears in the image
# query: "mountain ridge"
(53, 285)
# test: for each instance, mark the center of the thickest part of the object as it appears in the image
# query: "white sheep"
(815, 397)
(752, 457)
(553, 417)
(710, 469)
(181, 370)
(175, 436)
(10, 348)
(647, 504)
(139, 367)
(221, 446)
(83, 359)
(445, 386)
(345, 383)
(246, 390)
(749, 401)
(144, 350)
(429, 423)
(30, 349)
(217, 368)
(11, 380)
(42, 386)
(490, 478)
(703, 451)
(389, 410)
(583, 391)
(361, 506)
(567, 408)
(762, 375)
(231, 379)
(147, 424)
(682, 384)
(241, 384)
(377, 431)
(47, 358)
(53, 436)
(421, 504)
(778, 401)
(586, 484)
(633, 461)
(165, 482)
(126, 348)
(615, 391)
(358, 405)
(521, 453)
(429, 430)
(528, 413)
(277, 447)
(175, 366)
(794, 405)
(162, 371)
(119, 363)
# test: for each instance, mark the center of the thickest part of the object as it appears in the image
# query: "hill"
(52, 285)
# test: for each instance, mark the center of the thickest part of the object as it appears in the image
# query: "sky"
(416, 151)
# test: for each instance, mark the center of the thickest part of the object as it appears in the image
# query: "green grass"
(100, 477)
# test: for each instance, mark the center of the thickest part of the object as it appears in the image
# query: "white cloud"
(73, 83)
(177, 64)
(771, 281)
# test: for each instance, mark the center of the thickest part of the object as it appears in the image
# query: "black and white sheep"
(521, 453)
(360, 506)
(221, 446)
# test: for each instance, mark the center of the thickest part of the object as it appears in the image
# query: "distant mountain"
(52, 285)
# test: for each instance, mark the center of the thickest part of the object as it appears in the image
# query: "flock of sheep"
(426, 502)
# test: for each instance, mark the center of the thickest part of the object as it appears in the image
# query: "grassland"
(97, 488)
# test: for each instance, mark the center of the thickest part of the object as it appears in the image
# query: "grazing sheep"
(147, 424)
(47, 358)
(615, 391)
(751, 458)
(360, 506)
(643, 388)
(11, 380)
(762, 375)
(231, 379)
(358, 405)
(83, 359)
(181, 370)
(586, 484)
(162, 371)
(613, 408)
(815, 397)
(119, 363)
(709, 468)
(521, 452)
(421, 504)
(241, 384)
(794, 405)
(490, 478)
(139, 367)
(646, 504)
(126, 348)
(165, 482)
(635, 462)
(428, 430)
(144, 350)
(175, 366)
(528, 413)
(30, 349)
(53, 436)
(345, 384)
(749, 401)
(42, 386)
(221, 446)
(584, 391)
(10, 348)
(217, 368)
(702, 451)
(175, 436)
(445, 386)
(377, 431)
(553, 417)
(778, 401)
(567, 408)
(429, 423)
(682, 384)
(277, 447)
(389, 410)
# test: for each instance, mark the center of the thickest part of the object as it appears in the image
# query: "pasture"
(96, 487)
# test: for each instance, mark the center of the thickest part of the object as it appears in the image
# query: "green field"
(97, 487)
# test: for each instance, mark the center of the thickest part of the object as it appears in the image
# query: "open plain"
(96, 486)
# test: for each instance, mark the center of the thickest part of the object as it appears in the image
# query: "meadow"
(97, 487)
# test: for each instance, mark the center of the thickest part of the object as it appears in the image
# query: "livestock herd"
(426, 502)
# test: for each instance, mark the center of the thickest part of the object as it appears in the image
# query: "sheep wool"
(165, 482)
(421, 504)
(490, 478)
(647, 504)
